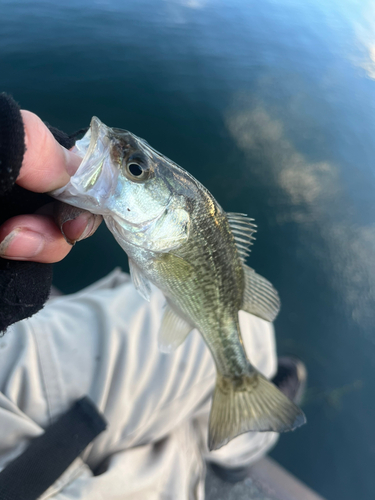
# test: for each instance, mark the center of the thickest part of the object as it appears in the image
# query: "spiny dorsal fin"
(259, 298)
(141, 283)
(243, 229)
(173, 330)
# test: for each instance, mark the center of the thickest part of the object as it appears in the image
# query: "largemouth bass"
(178, 237)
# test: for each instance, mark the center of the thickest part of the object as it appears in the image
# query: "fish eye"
(136, 172)
(135, 169)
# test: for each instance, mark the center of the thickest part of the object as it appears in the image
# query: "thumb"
(46, 165)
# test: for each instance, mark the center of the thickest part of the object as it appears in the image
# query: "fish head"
(135, 188)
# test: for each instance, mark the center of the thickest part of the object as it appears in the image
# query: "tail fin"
(250, 403)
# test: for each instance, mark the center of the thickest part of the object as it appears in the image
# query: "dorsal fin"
(259, 298)
(243, 229)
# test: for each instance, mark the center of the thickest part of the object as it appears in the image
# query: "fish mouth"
(97, 130)
(97, 175)
(85, 147)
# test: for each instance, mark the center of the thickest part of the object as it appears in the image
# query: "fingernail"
(21, 244)
(88, 229)
(72, 161)
(78, 228)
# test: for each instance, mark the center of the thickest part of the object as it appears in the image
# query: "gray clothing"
(102, 342)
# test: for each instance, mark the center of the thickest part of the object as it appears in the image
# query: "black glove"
(24, 286)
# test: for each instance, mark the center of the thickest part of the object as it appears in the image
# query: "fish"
(178, 237)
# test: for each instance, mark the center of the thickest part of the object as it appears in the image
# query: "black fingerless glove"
(24, 286)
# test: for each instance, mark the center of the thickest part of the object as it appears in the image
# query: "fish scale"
(219, 291)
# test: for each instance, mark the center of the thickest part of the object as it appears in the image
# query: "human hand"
(46, 166)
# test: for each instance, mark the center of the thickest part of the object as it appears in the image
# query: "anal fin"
(173, 330)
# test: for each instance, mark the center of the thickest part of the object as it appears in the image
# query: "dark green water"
(271, 106)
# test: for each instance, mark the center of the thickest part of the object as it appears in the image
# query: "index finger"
(46, 165)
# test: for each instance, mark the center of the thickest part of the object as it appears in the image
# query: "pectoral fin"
(259, 298)
(141, 283)
(173, 330)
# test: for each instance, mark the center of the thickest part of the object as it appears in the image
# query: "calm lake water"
(271, 105)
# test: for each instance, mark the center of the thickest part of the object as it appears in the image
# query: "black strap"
(50, 454)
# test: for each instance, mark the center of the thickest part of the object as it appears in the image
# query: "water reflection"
(318, 203)
(364, 30)
(192, 4)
